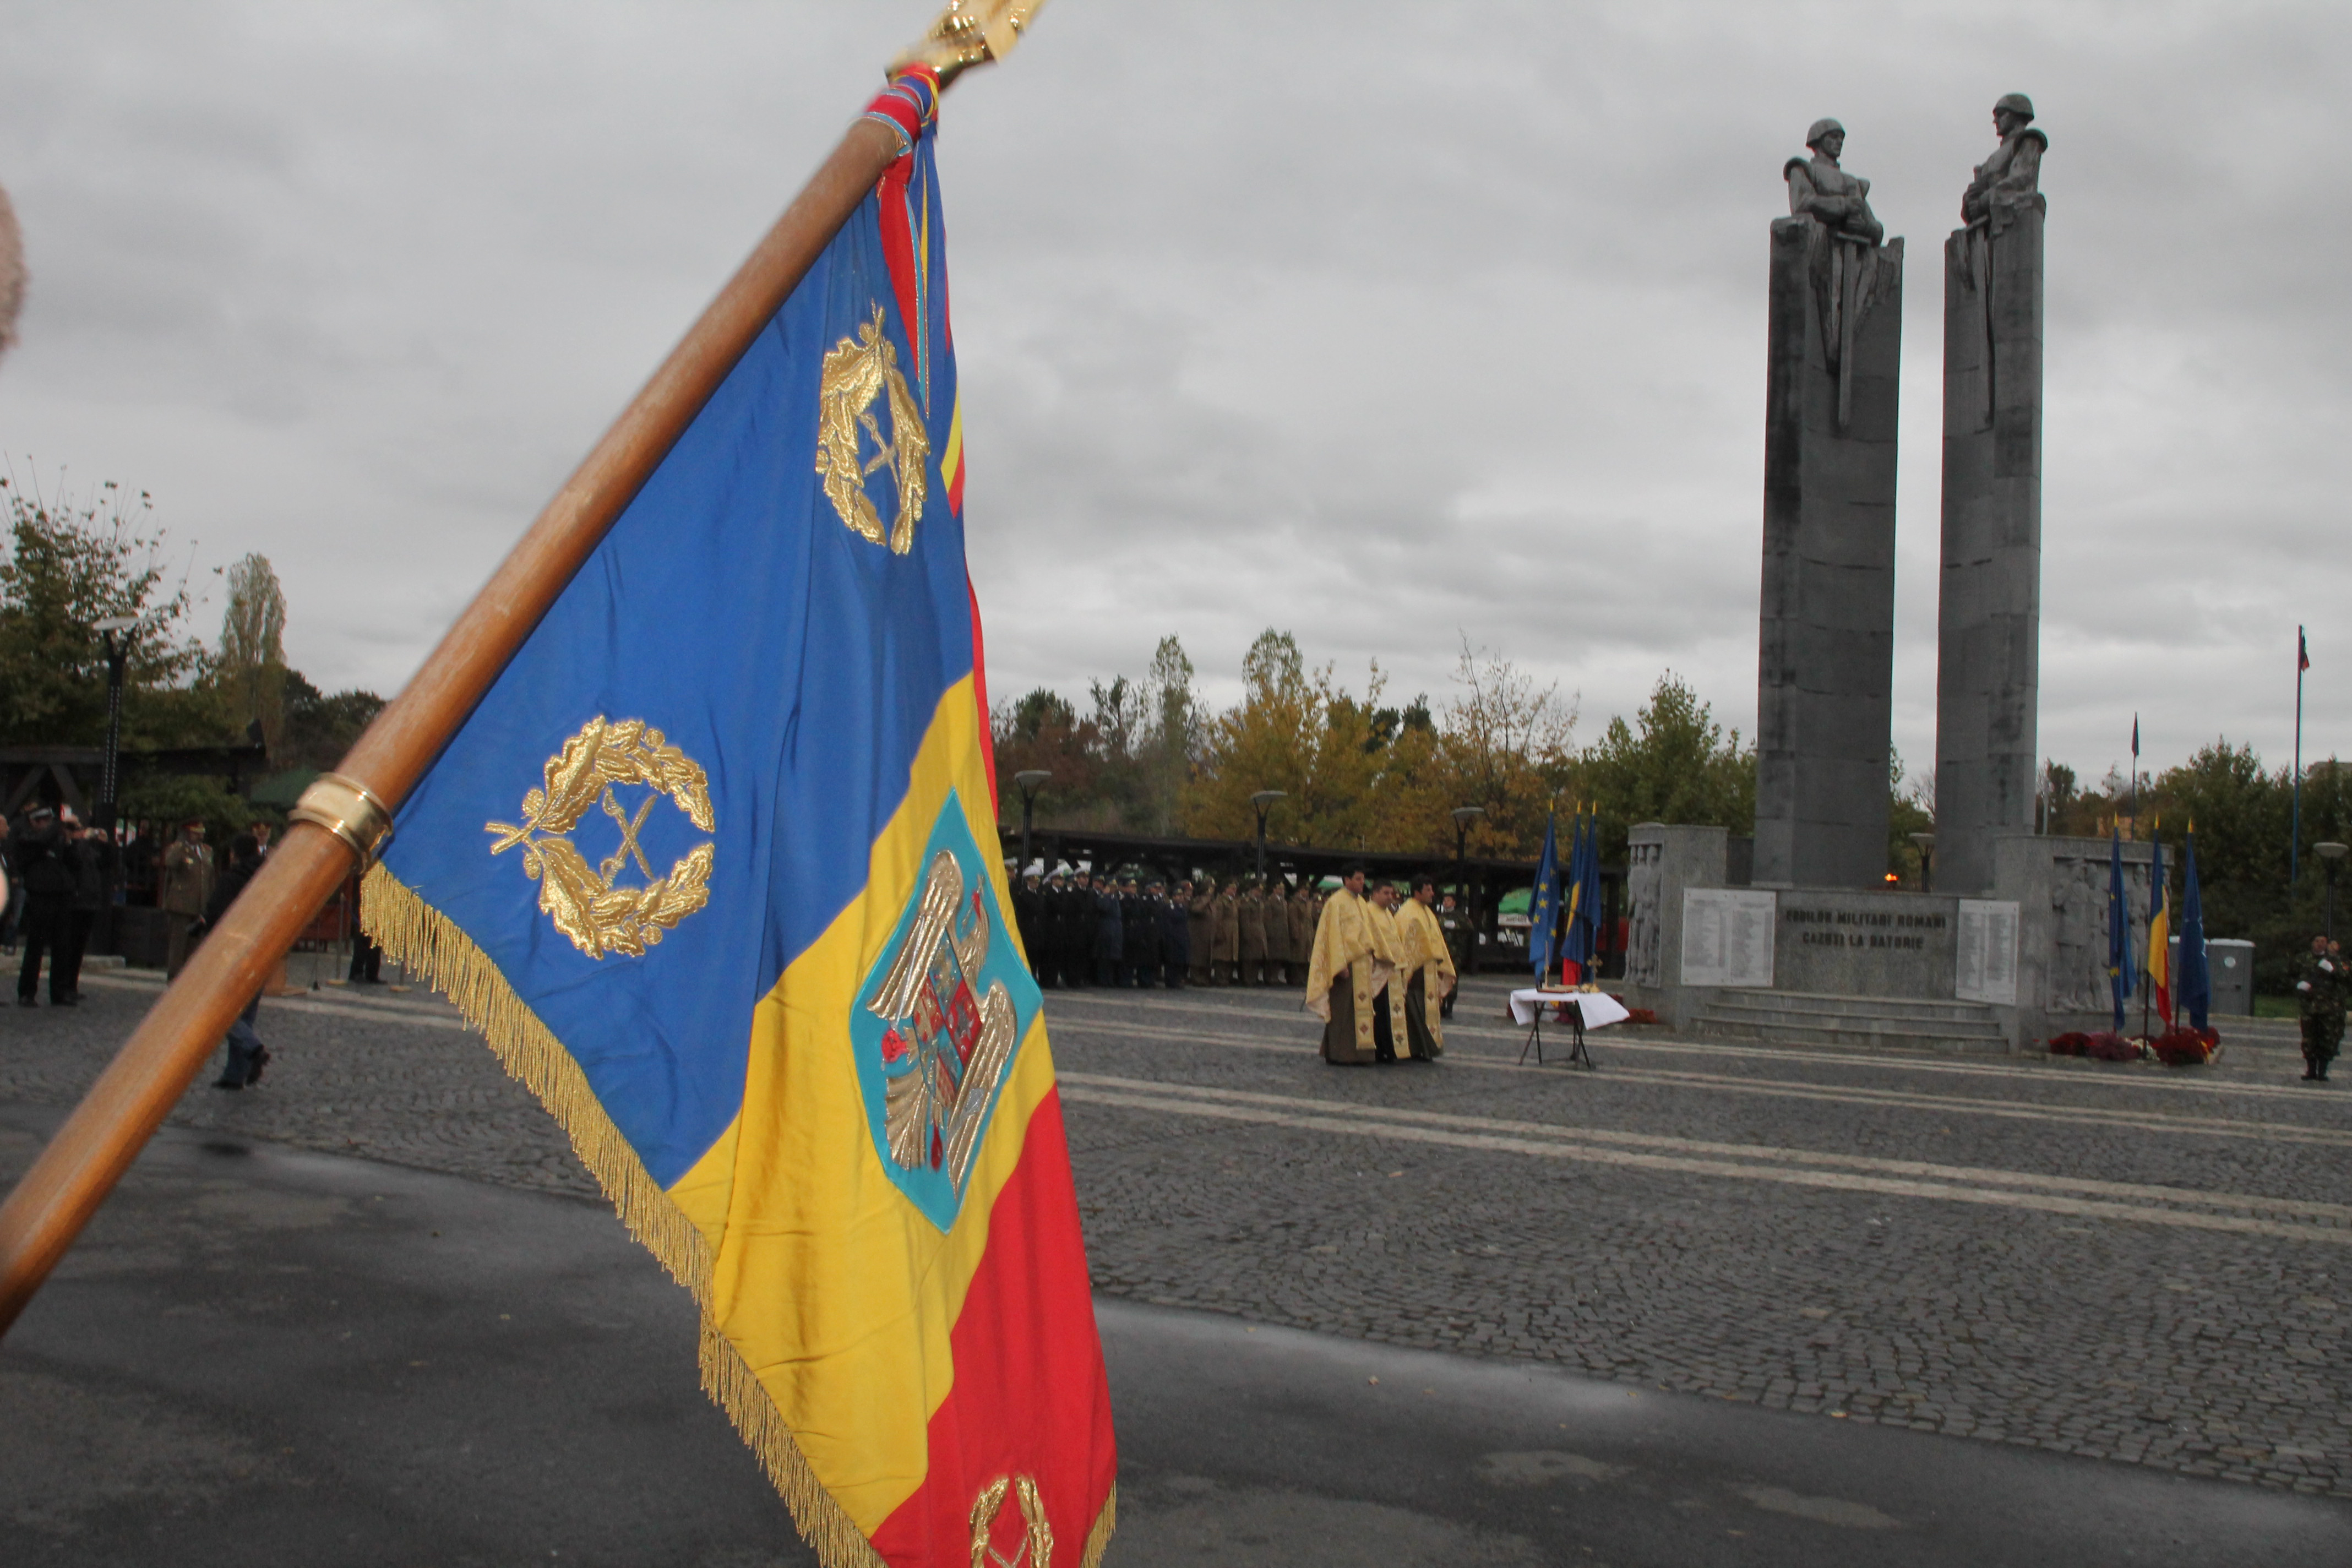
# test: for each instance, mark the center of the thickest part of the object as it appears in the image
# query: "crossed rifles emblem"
(600, 917)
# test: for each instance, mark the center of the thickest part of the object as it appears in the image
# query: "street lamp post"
(117, 651)
(2330, 853)
(1463, 815)
(1030, 781)
(1264, 800)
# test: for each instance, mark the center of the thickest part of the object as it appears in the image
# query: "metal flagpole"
(2134, 775)
(348, 814)
(2295, 839)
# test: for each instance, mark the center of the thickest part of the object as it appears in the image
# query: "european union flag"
(1543, 906)
(714, 866)
(2119, 952)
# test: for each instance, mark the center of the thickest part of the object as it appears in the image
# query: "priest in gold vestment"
(1353, 962)
(1424, 969)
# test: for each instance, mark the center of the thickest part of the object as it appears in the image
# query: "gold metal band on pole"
(344, 808)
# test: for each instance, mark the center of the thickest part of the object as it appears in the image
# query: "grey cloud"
(1380, 322)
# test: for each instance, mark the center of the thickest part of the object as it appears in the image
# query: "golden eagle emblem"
(859, 372)
(587, 902)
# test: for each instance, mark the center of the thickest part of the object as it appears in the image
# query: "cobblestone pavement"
(374, 1071)
(2125, 1263)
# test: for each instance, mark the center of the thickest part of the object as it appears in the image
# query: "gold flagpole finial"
(970, 32)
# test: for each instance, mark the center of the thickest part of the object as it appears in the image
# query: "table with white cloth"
(1594, 1010)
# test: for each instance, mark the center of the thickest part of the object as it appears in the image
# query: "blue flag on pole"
(1543, 908)
(2193, 988)
(2119, 952)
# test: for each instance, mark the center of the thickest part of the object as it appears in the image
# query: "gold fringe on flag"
(414, 933)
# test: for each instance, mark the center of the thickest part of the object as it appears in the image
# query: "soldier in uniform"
(1175, 934)
(1030, 917)
(1076, 932)
(1197, 912)
(1252, 916)
(1277, 931)
(2319, 988)
(184, 888)
(1225, 936)
(1111, 932)
(1140, 932)
(1302, 932)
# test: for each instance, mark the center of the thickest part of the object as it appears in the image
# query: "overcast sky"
(1387, 325)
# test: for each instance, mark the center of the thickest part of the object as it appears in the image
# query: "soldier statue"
(1818, 189)
(2013, 174)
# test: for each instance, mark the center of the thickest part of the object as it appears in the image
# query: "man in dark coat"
(37, 850)
(1176, 936)
(1029, 917)
(89, 860)
(1074, 927)
(247, 1055)
(1111, 932)
(1139, 934)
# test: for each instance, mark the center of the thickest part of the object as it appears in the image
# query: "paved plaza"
(2119, 1263)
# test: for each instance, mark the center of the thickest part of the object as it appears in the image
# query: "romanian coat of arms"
(938, 1020)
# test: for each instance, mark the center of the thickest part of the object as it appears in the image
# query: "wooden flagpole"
(345, 816)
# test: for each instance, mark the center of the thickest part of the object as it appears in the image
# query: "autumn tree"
(251, 668)
(74, 561)
(1673, 764)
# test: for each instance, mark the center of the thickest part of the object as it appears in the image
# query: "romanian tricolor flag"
(714, 866)
(2160, 941)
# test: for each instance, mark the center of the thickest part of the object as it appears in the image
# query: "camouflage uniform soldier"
(2319, 986)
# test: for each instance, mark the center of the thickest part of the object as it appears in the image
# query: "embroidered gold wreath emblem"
(587, 904)
(1036, 1547)
(859, 372)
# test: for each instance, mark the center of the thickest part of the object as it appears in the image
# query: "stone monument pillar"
(1988, 670)
(1826, 649)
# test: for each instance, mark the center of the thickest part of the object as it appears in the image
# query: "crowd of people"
(1133, 929)
(1378, 960)
(62, 873)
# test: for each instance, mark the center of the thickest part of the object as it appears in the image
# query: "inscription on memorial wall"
(1888, 931)
(1866, 944)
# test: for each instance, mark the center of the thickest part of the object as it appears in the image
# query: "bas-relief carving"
(1844, 257)
(2078, 907)
(1645, 885)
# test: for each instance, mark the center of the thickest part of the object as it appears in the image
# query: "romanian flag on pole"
(2159, 939)
(714, 866)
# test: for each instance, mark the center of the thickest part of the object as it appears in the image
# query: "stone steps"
(1869, 1023)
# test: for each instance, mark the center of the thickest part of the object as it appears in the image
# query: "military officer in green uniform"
(2319, 987)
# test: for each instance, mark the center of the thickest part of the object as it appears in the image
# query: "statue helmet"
(1826, 128)
(2016, 103)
